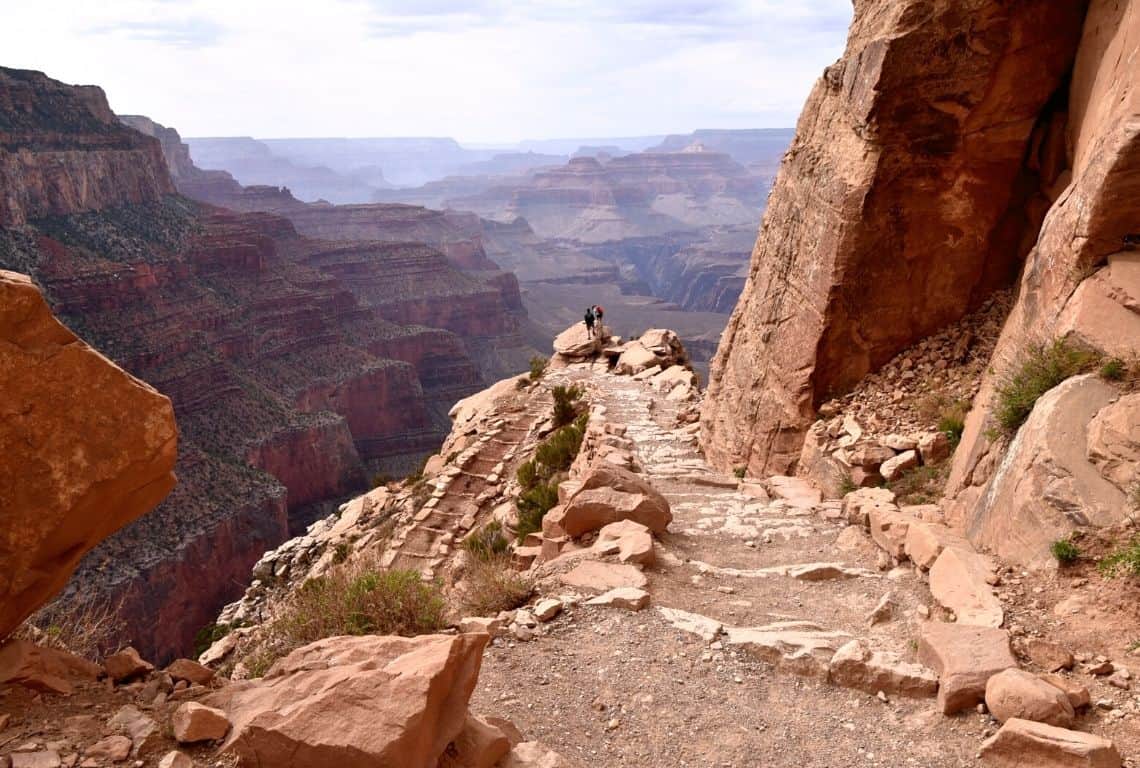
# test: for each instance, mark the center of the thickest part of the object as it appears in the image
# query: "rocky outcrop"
(924, 158)
(1080, 281)
(86, 449)
(62, 151)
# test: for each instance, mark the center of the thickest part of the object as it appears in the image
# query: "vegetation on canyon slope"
(540, 476)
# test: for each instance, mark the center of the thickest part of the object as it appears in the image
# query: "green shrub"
(1065, 551)
(952, 421)
(538, 365)
(1044, 368)
(739, 472)
(1125, 561)
(527, 474)
(847, 485)
(381, 478)
(1113, 370)
(487, 542)
(558, 451)
(533, 504)
(566, 403)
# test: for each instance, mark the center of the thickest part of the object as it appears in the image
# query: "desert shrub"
(538, 365)
(1113, 370)
(417, 474)
(488, 542)
(921, 485)
(1123, 562)
(527, 474)
(533, 504)
(357, 598)
(490, 585)
(952, 420)
(1065, 551)
(1044, 368)
(558, 451)
(522, 382)
(86, 626)
(381, 478)
(847, 485)
(210, 634)
(567, 401)
(739, 472)
(341, 552)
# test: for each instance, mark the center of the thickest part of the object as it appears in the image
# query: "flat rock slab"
(889, 527)
(795, 490)
(1025, 744)
(630, 598)
(798, 647)
(702, 626)
(958, 581)
(593, 576)
(965, 658)
(857, 666)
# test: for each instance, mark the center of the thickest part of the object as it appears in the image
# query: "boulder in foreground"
(1023, 743)
(85, 448)
(356, 702)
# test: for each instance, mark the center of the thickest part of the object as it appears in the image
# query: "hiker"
(590, 323)
(598, 313)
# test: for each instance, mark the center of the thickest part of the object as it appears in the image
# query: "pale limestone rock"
(893, 468)
(630, 598)
(592, 576)
(798, 647)
(925, 542)
(959, 582)
(855, 665)
(631, 542)
(702, 626)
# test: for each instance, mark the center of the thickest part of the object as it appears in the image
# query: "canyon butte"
(898, 527)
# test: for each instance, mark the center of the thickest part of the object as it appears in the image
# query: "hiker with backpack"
(590, 322)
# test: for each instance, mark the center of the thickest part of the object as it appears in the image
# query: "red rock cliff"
(923, 162)
(62, 150)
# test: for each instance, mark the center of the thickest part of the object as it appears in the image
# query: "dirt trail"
(615, 688)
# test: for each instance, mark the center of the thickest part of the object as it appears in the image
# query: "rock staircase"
(459, 494)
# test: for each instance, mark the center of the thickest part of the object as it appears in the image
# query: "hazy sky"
(481, 71)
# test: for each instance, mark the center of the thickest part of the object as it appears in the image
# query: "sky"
(486, 71)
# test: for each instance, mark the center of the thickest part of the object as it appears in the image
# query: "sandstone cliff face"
(86, 448)
(62, 150)
(1081, 280)
(923, 162)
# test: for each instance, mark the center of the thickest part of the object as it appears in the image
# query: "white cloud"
(488, 70)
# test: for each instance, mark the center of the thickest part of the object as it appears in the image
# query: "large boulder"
(608, 494)
(1047, 484)
(635, 358)
(85, 448)
(575, 344)
(355, 702)
(43, 669)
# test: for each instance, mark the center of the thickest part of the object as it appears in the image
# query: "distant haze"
(493, 72)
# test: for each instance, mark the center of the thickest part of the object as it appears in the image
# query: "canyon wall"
(56, 159)
(1074, 462)
(922, 165)
(296, 367)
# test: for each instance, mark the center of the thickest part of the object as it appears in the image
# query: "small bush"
(566, 403)
(357, 598)
(847, 485)
(1113, 370)
(522, 382)
(491, 585)
(739, 472)
(86, 626)
(558, 451)
(488, 542)
(380, 479)
(1123, 562)
(921, 485)
(527, 474)
(533, 504)
(1065, 551)
(341, 552)
(1044, 368)
(538, 365)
